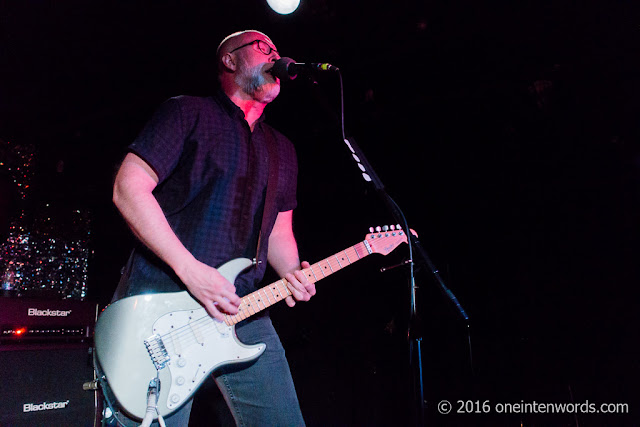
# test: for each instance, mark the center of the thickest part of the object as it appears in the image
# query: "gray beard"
(254, 80)
(255, 83)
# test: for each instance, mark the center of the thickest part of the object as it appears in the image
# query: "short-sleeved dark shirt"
(212, 174)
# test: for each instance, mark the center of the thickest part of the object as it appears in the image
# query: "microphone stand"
(414, 332)
(416, 254)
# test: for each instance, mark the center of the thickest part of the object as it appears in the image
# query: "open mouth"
(269, 71)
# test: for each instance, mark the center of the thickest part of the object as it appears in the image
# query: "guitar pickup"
(157, 351)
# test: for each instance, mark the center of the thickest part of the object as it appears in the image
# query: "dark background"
(507, 131)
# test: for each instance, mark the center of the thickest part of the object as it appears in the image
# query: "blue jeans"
(258, 394)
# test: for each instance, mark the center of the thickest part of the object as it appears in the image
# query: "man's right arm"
(133, 196)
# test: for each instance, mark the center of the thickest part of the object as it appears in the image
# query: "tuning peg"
(371, 230)
(378, 229)
(393, 227)
(385, 228)
(398, 227)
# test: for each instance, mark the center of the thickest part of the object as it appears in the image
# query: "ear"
(229, 62)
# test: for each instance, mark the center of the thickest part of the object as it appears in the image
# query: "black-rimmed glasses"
(263, 46)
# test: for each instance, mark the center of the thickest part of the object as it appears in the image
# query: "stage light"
(284, 7)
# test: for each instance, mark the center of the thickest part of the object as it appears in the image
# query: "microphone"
(288, 69)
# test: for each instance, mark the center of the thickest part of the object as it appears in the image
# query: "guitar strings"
(181, 334)
(258, 299)
(245, 302)
(186, 336)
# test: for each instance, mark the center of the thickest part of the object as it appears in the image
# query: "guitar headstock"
(383, 240)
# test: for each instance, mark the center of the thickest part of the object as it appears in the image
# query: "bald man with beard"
(192, 189)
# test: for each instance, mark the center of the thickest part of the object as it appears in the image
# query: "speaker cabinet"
(41, 385)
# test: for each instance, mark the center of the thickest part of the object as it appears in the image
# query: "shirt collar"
(232, 109)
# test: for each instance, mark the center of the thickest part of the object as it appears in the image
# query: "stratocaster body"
(195, 345)
(170, 335)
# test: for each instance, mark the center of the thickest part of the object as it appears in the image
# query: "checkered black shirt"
(212, 174)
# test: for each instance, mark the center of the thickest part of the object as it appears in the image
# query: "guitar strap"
(272, 182)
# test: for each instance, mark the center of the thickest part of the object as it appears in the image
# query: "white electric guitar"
(170, 336)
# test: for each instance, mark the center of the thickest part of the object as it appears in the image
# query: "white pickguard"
(196, 344)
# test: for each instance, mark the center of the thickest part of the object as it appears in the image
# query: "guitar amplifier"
(45, 358)
(25, 321)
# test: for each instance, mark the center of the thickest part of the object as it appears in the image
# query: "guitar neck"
(265, 297)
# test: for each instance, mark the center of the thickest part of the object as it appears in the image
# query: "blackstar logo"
(47, 312)
(44, 406)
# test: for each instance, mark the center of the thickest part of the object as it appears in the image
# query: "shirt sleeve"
(161, 141)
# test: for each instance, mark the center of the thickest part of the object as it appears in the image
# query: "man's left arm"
(283, 257)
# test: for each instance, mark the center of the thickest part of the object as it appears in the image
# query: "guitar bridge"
(157, 351)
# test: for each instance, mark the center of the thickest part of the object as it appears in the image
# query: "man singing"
(192, 188)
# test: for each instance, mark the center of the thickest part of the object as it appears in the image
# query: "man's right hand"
(134, 198)
(207, 285)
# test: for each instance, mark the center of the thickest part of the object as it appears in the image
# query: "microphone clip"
(391, 267)
(288, 69)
